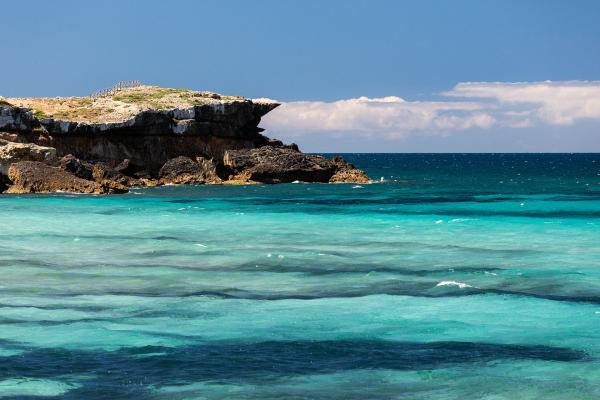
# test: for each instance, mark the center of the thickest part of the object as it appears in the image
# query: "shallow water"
(459, 277)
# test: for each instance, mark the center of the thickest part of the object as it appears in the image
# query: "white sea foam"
(453, 283)
(439, 221)
(357, 187)
(201, 245)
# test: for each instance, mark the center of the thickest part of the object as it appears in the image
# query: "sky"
(352, 76)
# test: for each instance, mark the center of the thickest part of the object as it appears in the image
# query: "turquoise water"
(459, 277)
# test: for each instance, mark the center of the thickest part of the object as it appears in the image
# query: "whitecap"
(439, 221)
(201, 245)
(296, 182)
(357, 187)
(453, 283)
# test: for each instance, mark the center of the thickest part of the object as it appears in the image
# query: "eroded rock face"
(184, 170)
(152, 137)
(347, 173)
(280, 164)
(11, 152)
(38, 177)
(77, 167)
(16, 119)
(188, 140)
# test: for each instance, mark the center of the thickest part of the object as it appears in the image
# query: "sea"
(453, 276)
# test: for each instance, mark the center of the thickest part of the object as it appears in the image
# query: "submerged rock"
(37, 177)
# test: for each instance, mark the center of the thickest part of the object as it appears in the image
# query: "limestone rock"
(14, 152)
(184, 170)
(17, 119)
(37, 177)
(207, 126)
(276, 165)
(209, 170)
(347, 173)
(77, 167)
(350, 176)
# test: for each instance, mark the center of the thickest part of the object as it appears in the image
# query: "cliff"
(145, 127)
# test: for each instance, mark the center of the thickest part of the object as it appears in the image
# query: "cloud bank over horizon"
(475, 107)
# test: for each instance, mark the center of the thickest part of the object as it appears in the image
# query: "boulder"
(38, 177)
(128, 168)
(101, 171)
(278, 165)
(77, 167)
(347, 173)
(350, 176)
(184, 170)
(208, 170)
(11, 152)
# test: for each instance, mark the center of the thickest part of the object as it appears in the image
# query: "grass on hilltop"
(147, 96)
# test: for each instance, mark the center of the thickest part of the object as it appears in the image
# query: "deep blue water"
(460, 276)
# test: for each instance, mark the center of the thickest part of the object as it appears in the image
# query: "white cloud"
(556, 103)
(477, 106)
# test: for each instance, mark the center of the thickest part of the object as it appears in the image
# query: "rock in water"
(281, 164)
(37, 177)
(347, 173)
(278, 165)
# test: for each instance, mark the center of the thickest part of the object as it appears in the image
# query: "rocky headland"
(148, 136)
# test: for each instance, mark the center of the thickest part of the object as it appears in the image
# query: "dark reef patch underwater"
(461, 276)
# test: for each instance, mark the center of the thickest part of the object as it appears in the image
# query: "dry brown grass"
(118, 107)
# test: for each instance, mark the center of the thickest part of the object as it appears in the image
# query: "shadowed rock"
(37, 177)
(184, 170)
(77, 167)
(269, 164)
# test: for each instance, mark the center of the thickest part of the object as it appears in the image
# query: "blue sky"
(313, 53)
